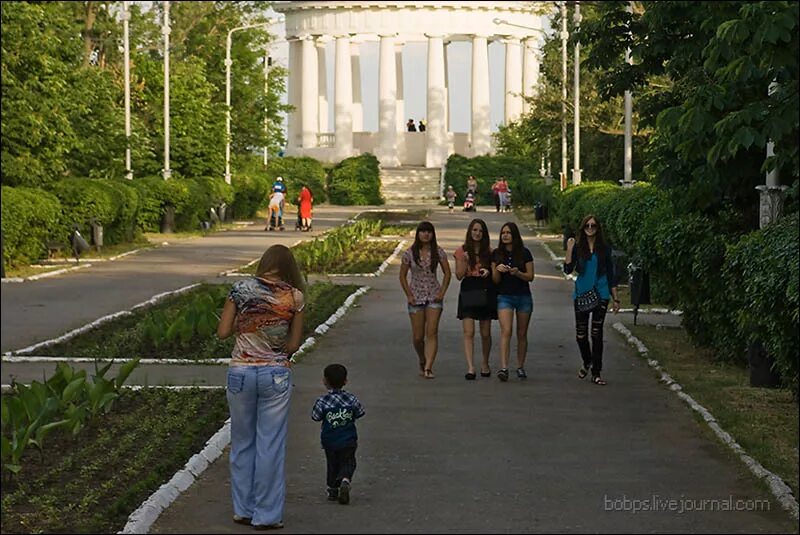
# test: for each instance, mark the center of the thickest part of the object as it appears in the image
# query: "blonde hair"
(279, 260)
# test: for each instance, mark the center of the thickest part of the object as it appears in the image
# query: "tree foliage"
(63, 89)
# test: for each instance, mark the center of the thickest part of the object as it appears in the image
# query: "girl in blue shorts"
(512, 271)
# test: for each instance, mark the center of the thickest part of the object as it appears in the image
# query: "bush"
(295, 173)
(356, 181)
(31, 218)
(156, 193)
(764, 266)
(250, 193)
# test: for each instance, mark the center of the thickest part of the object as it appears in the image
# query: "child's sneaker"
(333, 494)
(344, 492)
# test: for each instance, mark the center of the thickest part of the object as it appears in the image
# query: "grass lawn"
(365, 257)
(92, 481)
(22, 272)
(763, 421)
(126, 337)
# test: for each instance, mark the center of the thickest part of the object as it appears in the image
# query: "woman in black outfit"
(477, 299)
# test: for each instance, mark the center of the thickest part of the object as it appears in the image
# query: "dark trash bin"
(761, 365)
(168, 220)
(640, 287)
(78, 242)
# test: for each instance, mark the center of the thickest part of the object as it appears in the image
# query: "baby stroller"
(469, 201)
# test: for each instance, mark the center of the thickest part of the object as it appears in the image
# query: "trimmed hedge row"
(31, 218)
(356, 181)
(732, 289)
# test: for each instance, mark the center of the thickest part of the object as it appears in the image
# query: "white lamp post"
(127, 60)
(576, 168)
(628, 170)
(167, 172)
(228, 63)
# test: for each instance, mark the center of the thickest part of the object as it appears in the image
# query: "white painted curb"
(781, 491)
(45, 275)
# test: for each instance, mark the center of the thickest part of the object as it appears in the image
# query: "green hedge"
(355, 181)
(250, 193)
(295, 173)
(31, 217)
(519, 171)
(764, 268)
(112, 204)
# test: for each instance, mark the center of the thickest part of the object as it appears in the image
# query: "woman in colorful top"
(590, 257)
(424, 294)
(473, 269)
(265, 313)
(512, 271)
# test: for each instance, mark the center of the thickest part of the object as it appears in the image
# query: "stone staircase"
(410, 184)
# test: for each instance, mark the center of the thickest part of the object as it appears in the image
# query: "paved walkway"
(551, 454)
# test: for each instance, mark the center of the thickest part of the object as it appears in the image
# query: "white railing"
(326, 139)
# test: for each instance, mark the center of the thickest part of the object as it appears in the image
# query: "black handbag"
(475, 298)
(587, 301)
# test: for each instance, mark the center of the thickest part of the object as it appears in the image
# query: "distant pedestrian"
(472, 184)
(306, 200)
(512, 271)
(496, 195)
(424, 294)
(477, 298)
(265, 313)
(503, 192)
(278, 187)
(422, 125)
(450, 195)
(410, 126)
(591, 258)
(338, 411)
(276, 199)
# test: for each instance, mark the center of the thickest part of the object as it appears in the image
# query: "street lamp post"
(127, 60)
(564, 37)
(628, 171)
(228, 63)
(167, 172)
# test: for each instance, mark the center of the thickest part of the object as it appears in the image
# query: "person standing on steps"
(590, 257)
(512, 271)
(410, 126)
(265, 313)
(424, 294)
(477, 298)
(422, 125)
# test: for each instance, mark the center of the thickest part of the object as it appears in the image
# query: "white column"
(513, 81)
(322, 76)
(295, 117)
(343, 98)
(436, 130)
(481, 111)
(401, 108)
(358, 107)
(387, 107)
(530, 71)
(309, 94)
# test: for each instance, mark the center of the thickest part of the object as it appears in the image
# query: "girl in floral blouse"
(424, 293)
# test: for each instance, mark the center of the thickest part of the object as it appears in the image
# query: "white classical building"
(311, 25)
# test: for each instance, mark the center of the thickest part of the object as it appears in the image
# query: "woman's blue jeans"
(258, 397)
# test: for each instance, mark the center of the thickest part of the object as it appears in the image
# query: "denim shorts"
(520, 303)
(413, 309)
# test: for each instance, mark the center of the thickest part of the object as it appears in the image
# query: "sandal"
(582, 372)
(486, 373)
(598, 381)
(503, 374)
(470, 376)
(521, 373)
(429, 374)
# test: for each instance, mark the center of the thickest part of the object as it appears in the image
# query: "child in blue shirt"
(338, 411)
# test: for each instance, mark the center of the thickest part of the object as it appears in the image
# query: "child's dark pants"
(341, 465)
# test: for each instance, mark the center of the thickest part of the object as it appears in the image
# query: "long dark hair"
(426, 225)
(484, 249)
(582, 243)
(517, 247)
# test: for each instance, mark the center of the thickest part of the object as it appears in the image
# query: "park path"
(550, 454)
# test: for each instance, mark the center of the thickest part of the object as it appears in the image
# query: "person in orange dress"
(306, 200)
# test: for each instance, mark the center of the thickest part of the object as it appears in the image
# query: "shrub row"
(732, 289)
(356, 181)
